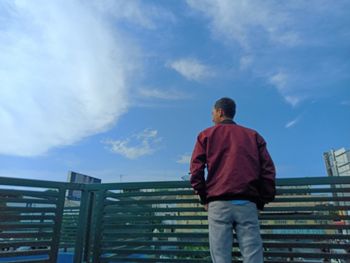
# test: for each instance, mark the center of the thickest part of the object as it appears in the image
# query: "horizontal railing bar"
(29, 200)
(330, 190)
(140, 185)
(207, 253)
(311, 199)
(25, 234)
(153, 193)
(324, 180)
(305, 245)
(185, 184)
(31, 243)
(191, 243)
(190, 192)
(307, 208)
(154, 210)
(116, 225)
(167, 184)
(39, 194)
(5, 226)
(119, 234)
(158, 252)
(24, 253)
(132, 210)
(323, 255)
(109, 243)
(304, 226)
(154, 201)
(44, 260)
(147, 218)
(71, 210)
(175, 252)
(124, 218)
(40, 183)
(156, 235)
(196, 201)
(28, 209)
(16, 217)
(125, 259)
(295, 216)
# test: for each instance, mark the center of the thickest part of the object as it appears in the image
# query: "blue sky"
(120, 89)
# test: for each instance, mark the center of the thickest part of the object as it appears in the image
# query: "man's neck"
(226, 121)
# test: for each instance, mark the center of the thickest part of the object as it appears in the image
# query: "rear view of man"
(240, 179)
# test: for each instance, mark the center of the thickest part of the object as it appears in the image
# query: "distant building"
(73, 177)
(337, 162)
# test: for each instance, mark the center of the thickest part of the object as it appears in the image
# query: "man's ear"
(222, 113)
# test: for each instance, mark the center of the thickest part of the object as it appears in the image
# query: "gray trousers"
(223, 217)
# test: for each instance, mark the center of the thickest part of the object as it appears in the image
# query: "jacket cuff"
(203, 199)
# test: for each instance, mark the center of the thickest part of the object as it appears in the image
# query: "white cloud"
(192, 69)
(293, 100)
(244, 20)
(137, 145)
(256, 27)
(245, 62)
(292, 123)
(137, 12)
(162, 94)
(62, 74)
(184, 159)
(345, 103)
(281, 82)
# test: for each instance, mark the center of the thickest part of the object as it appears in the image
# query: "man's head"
(224, 108)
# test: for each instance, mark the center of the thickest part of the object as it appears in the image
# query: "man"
(240, 179)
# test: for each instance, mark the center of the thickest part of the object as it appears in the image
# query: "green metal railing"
(163, 222)
(30, 218)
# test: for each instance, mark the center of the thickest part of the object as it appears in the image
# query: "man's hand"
(206, 207)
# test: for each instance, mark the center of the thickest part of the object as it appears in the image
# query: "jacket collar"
(227, 121)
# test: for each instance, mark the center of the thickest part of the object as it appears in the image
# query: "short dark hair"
(227, 105)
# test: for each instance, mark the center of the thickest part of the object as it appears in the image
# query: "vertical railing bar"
(82, 225)
(89, 230)
(98, 230)
(55, 243)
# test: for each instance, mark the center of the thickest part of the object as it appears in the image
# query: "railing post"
(98, 225)
(89, 229)
(55, 243)
(82, 226)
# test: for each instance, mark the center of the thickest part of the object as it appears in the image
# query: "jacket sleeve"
(267, 173)
(198, 164)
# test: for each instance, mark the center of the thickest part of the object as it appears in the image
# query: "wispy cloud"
(280, 81)
(137, 12)
(184, 159)
(137, 145)
(192, 69)
(345, 103)
(292, 123)
(280, 36)
(63, 75)
(245, 62)
(164, 94)
(244, 21)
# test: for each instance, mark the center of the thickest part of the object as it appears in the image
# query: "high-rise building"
(337, 162)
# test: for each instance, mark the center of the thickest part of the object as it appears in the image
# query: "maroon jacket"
(238, 164)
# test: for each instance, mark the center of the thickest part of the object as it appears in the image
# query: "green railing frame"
(126, 202)
(22, 214)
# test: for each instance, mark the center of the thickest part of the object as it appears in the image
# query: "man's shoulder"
(235, 126)
(205, 132)
(246, 129)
